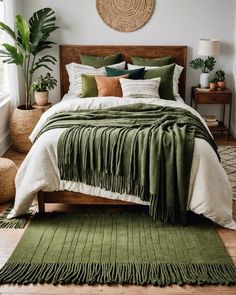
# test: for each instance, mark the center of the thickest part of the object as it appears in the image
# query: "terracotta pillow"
(109, 86)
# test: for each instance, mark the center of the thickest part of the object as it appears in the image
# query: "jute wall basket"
(22, 124)
(125, 15)
(8, 171)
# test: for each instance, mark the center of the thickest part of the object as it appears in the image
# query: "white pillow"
(148, 88)
(75, 71)
(177, 72)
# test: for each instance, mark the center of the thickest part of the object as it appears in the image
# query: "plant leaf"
(42, 23)
(23, 32)
(210, 63)
(8, 30)
(197, 63)
(12, 55)
(42, 62)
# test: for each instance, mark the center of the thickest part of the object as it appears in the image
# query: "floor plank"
(9, 239)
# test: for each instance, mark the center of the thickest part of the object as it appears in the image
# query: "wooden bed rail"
(67, 197)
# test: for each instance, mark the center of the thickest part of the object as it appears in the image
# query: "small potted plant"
(41, 88)
(220, 77)
(206, 66)
(213, 84)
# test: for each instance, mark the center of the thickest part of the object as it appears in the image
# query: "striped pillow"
(177, 72)
(140, 88)
(75, 71)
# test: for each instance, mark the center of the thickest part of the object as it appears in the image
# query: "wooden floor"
(9, 239)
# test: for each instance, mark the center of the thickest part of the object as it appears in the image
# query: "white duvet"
(210, 193)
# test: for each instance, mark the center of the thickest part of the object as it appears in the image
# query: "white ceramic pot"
(41, 98)
(204, 80)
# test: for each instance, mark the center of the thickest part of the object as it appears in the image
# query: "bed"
(210, 193)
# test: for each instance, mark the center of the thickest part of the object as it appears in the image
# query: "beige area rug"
(228, 161)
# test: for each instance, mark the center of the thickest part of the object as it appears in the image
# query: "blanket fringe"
(16, 223)
(117, 273)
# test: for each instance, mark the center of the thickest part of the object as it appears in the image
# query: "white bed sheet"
(68, 96)
(210, 192)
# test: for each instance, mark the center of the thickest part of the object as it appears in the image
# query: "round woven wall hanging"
(125, 15)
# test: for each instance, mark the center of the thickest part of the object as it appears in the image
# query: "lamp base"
(204, 80)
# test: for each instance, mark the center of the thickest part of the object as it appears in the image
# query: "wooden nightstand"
(221, 97)
(43, 108)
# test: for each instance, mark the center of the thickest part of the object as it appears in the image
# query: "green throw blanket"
(143, 150)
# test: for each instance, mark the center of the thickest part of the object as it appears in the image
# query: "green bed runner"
(143, 150)
(122, 248)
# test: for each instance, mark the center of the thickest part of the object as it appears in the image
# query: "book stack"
(211, 120)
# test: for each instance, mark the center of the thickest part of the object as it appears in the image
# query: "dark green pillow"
(133, 74)
(99, 61)
(166, 86)
(158, 62)
(89, 86)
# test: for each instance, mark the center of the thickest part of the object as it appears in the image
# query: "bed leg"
(41, 204)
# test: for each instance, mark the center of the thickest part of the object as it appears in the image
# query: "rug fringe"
(14, 223)
(117, 273)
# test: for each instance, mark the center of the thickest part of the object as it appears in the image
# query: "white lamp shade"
(208, 47)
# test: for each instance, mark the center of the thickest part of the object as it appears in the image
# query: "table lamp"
(210, 48)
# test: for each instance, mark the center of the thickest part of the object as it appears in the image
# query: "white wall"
(174, 22)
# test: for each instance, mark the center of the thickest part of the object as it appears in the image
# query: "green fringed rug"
(117, 248)
(16, 223)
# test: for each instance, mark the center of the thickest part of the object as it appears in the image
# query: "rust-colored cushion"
(109, 86)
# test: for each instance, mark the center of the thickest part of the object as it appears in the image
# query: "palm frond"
(23, 32)
(11, 55)
(42, 62)
(42, 23)
(8, 30)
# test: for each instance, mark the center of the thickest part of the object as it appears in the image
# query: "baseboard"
(5, 142)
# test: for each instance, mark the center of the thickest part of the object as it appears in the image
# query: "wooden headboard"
(70, 53)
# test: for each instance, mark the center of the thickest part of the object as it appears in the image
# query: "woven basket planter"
(8, 171)
(22, 124)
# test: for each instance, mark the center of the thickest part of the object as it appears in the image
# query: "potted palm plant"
(30, 40)
(213, 84)
(220, 78)
(206, 66)
(41, 88)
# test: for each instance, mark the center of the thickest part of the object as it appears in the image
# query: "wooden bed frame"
(70, 53)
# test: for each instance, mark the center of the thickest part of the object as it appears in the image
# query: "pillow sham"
(177, 72)
(133, 74)
(89, 86)
(159, 62)
(99, 61)
(75, 71)
(109, 86)
(166, 86)
(140, 88)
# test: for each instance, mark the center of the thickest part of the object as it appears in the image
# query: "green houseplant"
(41, 88)
(213, 84)
(206, 66)
(30, 40)
(220, 78)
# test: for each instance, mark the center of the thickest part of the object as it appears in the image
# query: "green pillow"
(158, 62)
(89, 86)
(133, 74)
(99, 61)
(166, 87)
